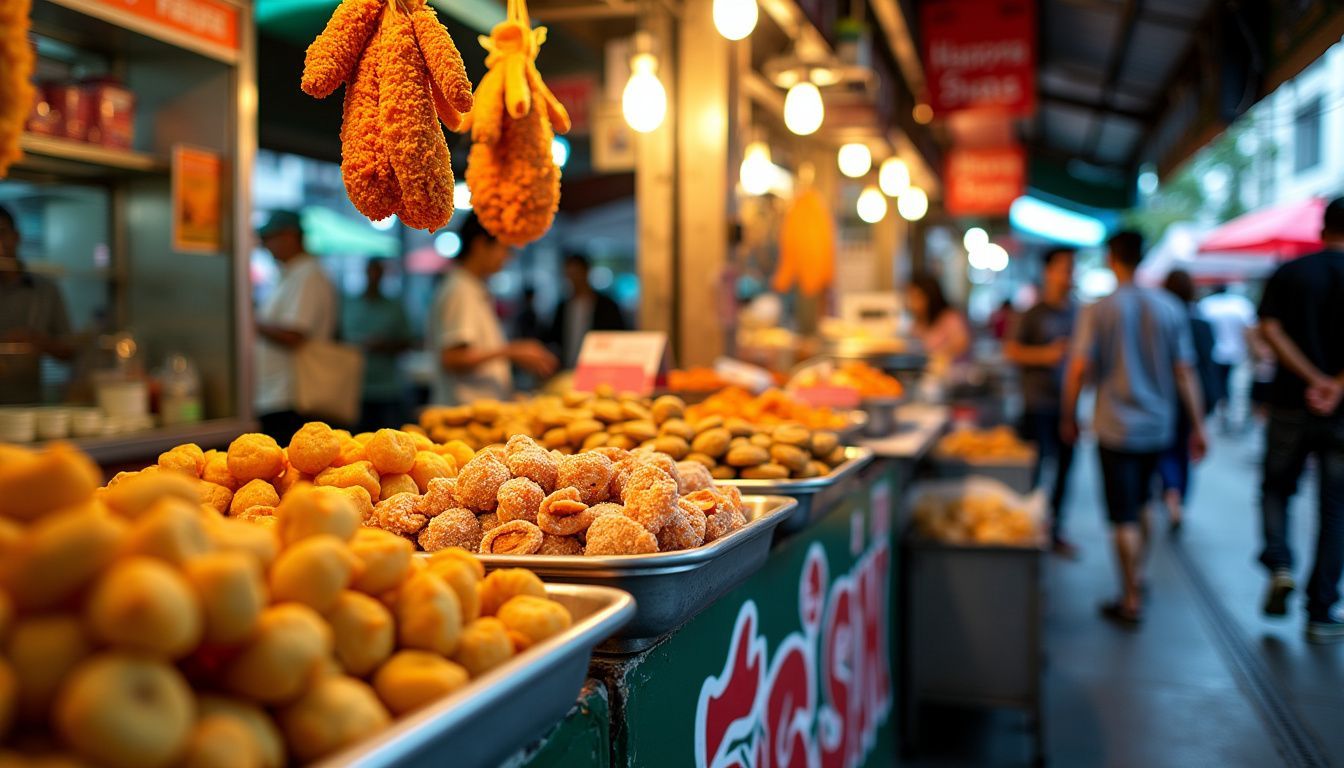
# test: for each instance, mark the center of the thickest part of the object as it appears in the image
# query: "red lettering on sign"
(980, 55)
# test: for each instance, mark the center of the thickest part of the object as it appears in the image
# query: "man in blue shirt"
(378, 325)
(1135, 346)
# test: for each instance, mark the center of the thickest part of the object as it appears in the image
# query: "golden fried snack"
(217, 497)
(411, 679)
(667, 407)
(459, 570)
(186, 459)
(399, 514)
(792, 434)
(217, 741)
(263, 732)
(314, 511)
(459, 451)
(535, 618)
(506, 583)
(59, 555)
(42, 650)
(561, 545)
(120, 710)
(313, 572)
(392, 484)
(712, 442)
(453, 528)
(489, 521)
(332, 56)
(256, 493)
(692, 477)
(429, 615)
(686, 529)
(391, 451)
(385, 560)
(440, 496)
(136, 492)
(335, 713)
(792, 457)
(231, 592)
(723, 472)
(641, 430)
(229, 535)
(38, 483)
(677, 428)
(619, 535)
(767, 471)
(746, 456)
(485, 645)
(172, 530)
(255, 457)
(478, 482)
(536, 465)
(651, 498)
(359, 473)
(285, 653)
(142, 605)
(429, 466)
(466, 557)
(217, 471)
(515, 538)
(564, 513)
(369, 179)
(824, 444)
(352, 451)
(9, 694)
(447, 73)
(589, 473)
(723, 513)
(363, 632)
(519, 499)
(313, 448)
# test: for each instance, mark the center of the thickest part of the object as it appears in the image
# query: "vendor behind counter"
(33, 322)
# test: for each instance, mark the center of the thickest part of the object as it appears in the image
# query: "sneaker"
(1281, 585)
(1331, 630)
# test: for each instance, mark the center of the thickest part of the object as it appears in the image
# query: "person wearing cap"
(301, 307)
(465, 335)
(33, 322)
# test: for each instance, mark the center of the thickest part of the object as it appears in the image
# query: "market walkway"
(1207, 681)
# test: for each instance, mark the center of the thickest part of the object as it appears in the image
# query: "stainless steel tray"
(510, 706)
(669, 589)
(881, 412)
(856, 427)
(814, 494)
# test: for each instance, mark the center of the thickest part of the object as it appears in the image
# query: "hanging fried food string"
(366, 169)
(332, 57)
(16, 89)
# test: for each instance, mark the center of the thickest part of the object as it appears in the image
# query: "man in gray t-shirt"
(1135, 347)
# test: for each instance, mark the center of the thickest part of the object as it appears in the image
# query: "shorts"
(1127, 478)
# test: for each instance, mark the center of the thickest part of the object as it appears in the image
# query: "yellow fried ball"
(385, 560)
(335, 713)
(351, 452)
(429, 465)
(313, 572)
(60, 554)
(217, 471)
(536, 618)
(310, 511)
(184, 459)
(216, 496)
(505, 584)
(229, 535)
(231, 592)
(262, 730)
(285, 654)
(429, 616)
(255, 493)
(287, 480)
(392, 484)
(485, 645)
(359, 473)
(142, 605)
(135, 495)
(42, 651)
(391, 451)
(220, 742)
(122, 710)
(32, 485)
(172, 530)
(255, 457)
(363, 631)
(411, 679)
(314, 447)
(459, 575)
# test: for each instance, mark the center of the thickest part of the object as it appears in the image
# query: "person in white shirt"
(465, 334)
(301, 307)
(1231, 316)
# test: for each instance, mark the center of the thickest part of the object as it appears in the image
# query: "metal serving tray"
(814, 494)
(855, 427)
(671, 588)
(881, 412)
(510, 706)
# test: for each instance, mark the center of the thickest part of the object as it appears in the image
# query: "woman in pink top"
(938, 325)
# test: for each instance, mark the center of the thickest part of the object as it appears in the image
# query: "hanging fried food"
(332, 57)
(514, 181)
(806, 246)
(16, 70)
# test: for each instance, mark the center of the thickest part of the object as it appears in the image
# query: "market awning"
(1284, 231)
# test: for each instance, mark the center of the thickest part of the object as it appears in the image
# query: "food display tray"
(815, 495)
(856, 425)
(881, 413)
(510, 706)
(669, 588)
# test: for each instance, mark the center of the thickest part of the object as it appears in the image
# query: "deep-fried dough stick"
(332, 57)
(365, 167)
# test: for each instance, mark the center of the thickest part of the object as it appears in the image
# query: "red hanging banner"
(984, 182)
(980, 55)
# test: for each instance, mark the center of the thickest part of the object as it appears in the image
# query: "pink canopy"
(1286, 231)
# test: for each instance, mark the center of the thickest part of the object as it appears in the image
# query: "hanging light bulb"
(855, 160)
(872, 205)
(803, 110)
(975, 239)
(893, 177)
(735, 19)
(644, 100)
(757, 169)
(912, 204)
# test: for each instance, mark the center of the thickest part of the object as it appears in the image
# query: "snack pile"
(699, 379)
(770, 408)
(868, 381)
(979, 516)
(995, 444)
(141, 627)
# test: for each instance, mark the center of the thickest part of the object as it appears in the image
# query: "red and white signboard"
(985, 181)
(980, 54)
(212, 22)
(576, 93)
(625, 360)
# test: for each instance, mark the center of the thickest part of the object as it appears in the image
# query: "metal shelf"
(76, 158)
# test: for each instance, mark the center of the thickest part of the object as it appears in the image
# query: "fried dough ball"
(478, 482)
(515, 538)
(429, 466)
(310, 511)
(186, 459)
(399, 514)
(392, 484)
(506, 583)
(255, 457)
(712, 442)
(454, 528)
(283, 656)
(535, 618)
(42, 650)
(217, 741)
(563, 513)
(352, 451)
(313, 448)
(172, 530)
(560, 545)
(120, 710)
(313, 572)
(335, 713)
(412, 679)
(359, 473)
(459, 451)
(519, 499)
(60, 554)
(260, 543)
(135, 494)
(360, 498)
(693, 477)
(231, 593)
(686, 529)
(385, 560)
(489, 521)
(216, 496)
(260, 727)
(468, 558)
(429, 615)
(37, 483)
(142, 605)
(440, 496)
(590, 473)
(391, 451)
(535, 464)
(217, 471)
(462, 572)
(288, 479)
(651, 498)
(485, 645)
(363, 631)
(619, 535)
(256, 493)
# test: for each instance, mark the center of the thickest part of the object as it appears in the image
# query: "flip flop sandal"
(1114, 611)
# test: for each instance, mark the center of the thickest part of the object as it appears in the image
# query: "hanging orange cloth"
(806, 246)
(514, 181)
(401, 69)
(16, 71)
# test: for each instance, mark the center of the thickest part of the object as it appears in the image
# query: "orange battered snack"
(454, 528)
(485, 645)
(313, 448)
(514, 538)
(519, 499)
(430, 466)
(229, 535)
(589, 473)
(217, 497)
(535, 464)
(385, 560)
(313, 572)
(59, 555)
(336, 712)
(619, 535)
(685, 530)
(331, 58)
(361, 500)
(258, 724)
(692, 477)
(462, 572)
(411, 679)
(504, 584)
(392, 484)
(560, 545)
(399, 514)
(171, 531)
(123, 711)
(256, 493)
(429, 615)
(217, 471)
(313, 511)
(363, 632)
(144, 606)
(255, 457)
(351, 452)
(440, 496)
(535, 618)
(564, 513)
(391, 451)
(231, 593)
(478, 482)
(279, 661)
(359, 473)
(42, 650)
(33, 484)
(651, 498)
(186, 459)
(220, 742)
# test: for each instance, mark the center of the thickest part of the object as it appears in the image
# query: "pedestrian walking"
(1173, 466)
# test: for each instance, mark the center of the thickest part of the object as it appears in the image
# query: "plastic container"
(179, 391)
(111, 113)
(86, 422)
(53, 423)
(18, 425)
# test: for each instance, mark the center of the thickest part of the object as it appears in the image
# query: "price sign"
(626, 360)
(828, 396)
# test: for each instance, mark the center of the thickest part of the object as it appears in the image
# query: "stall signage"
(576, 93)
(818, 698)
(208, 21)
(197, 184)
(980, 54)
(625, 360)
(828, 396)
(985, 181)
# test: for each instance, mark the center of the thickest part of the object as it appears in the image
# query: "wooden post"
(655, 194)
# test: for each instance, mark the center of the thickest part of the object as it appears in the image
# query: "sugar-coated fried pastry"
(33, 484)
(391, 451)
(392, 484)
(336, 712)
(506, 583)
(142, 605)
(515, 538)
(478, 482)
(459, 451)
(411, 679)
(651, 498)
(560, 545)
(619, 535)
(440, 496)
(399, 514)
(429, 466)
(589, 473)
(693, 477)
(660, 460)
(60, 554)
(228, 535)
(519, 499)
(363, 632)
(313, 448)
(172, 530)
(42, 650)
(519, 443)
(564, 513)
(186, 459)
(489, 521)
(217, 471)
(614, 454)
(217, 741)
(359, 473)
(453, 528)
(255, 457)
(254, 493)
(685, 530)
(231, 592)
(459, 570)
(535, 618)
(258, 724)
(282, 657)
(429, 615)
(385, 560)
(217, 497)
(535, 464)
(123, 711)
(485, 645)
